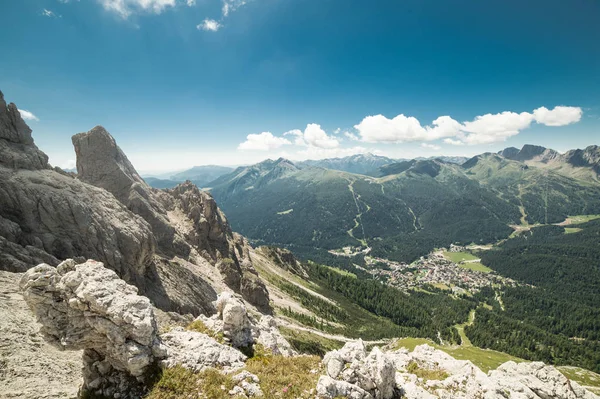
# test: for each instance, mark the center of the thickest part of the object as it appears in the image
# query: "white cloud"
(313, 136)
(431, 146)
(559, 116)
(351, 136)
(69, 164)
(262, 142)
(453, 142)
(191, 3)
(124, 8)
(378, 128)
(299, 137)
(209, 25)
(492, 128)
(231, 5)
(50, 14)
(28, 116)
(485, 129)
(316, 137)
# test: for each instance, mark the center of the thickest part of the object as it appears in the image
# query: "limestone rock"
(185, 221)
(196, 351)
(241, 330)
(327, 387)
(373, 373)
(247, 385)
(537, 380)
(236, 324)
(86, 306)
(386, 375)
(253, 290)
(101, 163)
(231, 320)
(31, 368)
(266, 333)
(17, 150)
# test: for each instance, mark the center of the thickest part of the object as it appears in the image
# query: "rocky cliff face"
(17, 150)
(46, 216)
(163, 242)
(588, 157)
(185, 221)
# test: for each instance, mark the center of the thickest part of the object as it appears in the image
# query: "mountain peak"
(101, 162)
(529, 152)
(17, 149)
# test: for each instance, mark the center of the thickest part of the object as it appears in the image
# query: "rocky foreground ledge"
(88, 307)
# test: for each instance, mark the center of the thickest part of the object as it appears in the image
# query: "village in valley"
(454, 269)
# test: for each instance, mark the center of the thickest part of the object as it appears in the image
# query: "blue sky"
(183, 82)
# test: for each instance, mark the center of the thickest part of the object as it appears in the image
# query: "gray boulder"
(240, 330)
(373, 373)
(196, 351)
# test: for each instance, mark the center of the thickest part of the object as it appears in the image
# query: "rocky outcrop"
(537, 380)
(159, 241)
(284, 259)
(89, 307)
(241, 330)
(196, 351)
(231, 320)
(46, 217)
(185, 221)
(588, 157)
(373, 373)
(17, 149)
(353, 373)
(266, 333)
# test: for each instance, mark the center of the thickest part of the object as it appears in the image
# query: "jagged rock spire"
(17, 149)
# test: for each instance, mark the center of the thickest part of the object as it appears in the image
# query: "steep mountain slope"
(543, 195)
(362, 164)
(580, 164)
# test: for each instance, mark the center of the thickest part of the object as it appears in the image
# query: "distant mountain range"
(363, 164)
(407, 208)
(199, 175)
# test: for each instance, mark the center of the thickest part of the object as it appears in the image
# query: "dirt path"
(29, 366)
(284, 323)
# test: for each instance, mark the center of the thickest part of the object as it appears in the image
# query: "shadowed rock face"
(46, 216)
(109, 213)
(588, 157)
(17, 150)
(186, 221)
